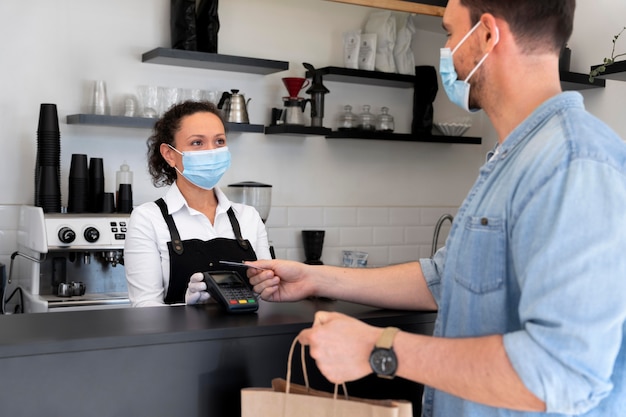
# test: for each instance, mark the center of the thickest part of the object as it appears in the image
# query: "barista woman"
(194, 226)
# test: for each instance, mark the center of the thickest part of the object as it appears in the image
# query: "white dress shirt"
(146, 255)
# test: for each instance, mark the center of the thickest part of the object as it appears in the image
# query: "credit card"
(242, 264)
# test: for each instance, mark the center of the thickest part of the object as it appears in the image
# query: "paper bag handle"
(304, 371)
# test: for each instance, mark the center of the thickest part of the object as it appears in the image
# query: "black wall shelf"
(355, 76)
(615, 71)
(578, 81)
(106, 120)
(569, 80)
(404, 137)
(205, 60)
(144, 122)
(296, 130)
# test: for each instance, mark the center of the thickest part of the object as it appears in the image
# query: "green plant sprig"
(607, 61)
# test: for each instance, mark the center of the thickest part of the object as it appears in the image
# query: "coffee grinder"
(293, 113)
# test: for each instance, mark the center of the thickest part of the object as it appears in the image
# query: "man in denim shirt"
(531, 286)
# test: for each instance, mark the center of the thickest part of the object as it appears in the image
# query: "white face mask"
(458, 90)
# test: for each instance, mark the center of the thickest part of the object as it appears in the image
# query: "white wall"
(595, 25)
(53, 50)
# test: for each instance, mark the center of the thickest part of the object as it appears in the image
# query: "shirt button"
(484, 221)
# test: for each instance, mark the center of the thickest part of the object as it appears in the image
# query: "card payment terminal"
(231, 291)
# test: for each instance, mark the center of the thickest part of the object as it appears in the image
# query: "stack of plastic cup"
(48, 165)
(78, 196)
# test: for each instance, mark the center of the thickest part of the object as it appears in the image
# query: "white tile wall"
(389, 235)
(9, 215)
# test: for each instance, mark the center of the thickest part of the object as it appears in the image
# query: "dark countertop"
(176, 360)
(45, 333)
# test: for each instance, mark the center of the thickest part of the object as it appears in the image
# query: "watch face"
(384, 362)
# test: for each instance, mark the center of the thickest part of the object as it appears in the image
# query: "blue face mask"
(458, 91)
(204, 168)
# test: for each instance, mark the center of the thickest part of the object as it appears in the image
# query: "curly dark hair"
(163, 132)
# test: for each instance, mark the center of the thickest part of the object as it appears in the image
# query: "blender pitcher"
(254, 194)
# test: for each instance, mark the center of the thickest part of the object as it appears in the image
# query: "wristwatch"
(383, 359)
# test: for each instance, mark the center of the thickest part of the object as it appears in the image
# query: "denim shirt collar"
(523, 131)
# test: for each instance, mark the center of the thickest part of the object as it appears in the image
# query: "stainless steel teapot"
(234, 107)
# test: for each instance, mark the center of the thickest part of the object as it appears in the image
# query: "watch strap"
(385, 341)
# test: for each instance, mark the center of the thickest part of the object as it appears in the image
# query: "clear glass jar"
(384, 121)
(347, 119)
(366, 119)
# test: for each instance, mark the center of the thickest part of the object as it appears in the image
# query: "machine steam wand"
(4, 300)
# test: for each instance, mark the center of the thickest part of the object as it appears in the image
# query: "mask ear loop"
(484, 57)
(467, 35)
(175, 150)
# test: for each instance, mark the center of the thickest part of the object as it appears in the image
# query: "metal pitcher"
(234, 107)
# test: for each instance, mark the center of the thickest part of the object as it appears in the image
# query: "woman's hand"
(196, 290)
(279, 280)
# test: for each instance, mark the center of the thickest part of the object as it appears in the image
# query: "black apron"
(195, 255)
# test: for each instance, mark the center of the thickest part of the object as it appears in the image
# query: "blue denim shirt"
(537, 253)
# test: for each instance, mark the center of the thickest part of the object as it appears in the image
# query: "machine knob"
(67, 235)
(91, 234)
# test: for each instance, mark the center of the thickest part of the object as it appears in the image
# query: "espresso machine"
(71, 261)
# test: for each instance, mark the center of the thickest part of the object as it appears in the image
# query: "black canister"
(183, 24)
(207, 26)
(425, 90)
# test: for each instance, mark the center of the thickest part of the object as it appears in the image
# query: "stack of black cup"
(96, 185)
(48, 164)
(78, 196)
(125, 199)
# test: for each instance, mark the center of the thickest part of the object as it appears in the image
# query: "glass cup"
(213, 96)
(168, 97)
(100, 103)
(149, 99)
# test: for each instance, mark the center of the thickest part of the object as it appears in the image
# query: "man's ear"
(490, 34)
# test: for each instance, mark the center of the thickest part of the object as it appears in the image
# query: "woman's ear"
(166, 153)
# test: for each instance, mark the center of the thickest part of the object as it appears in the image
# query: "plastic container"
(124, 179)
(123, 176)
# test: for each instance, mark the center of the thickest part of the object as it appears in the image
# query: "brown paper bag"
(286, 399)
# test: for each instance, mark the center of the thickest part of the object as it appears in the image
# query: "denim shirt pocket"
(480, 261)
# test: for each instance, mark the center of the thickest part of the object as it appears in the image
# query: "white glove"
(196, 290)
